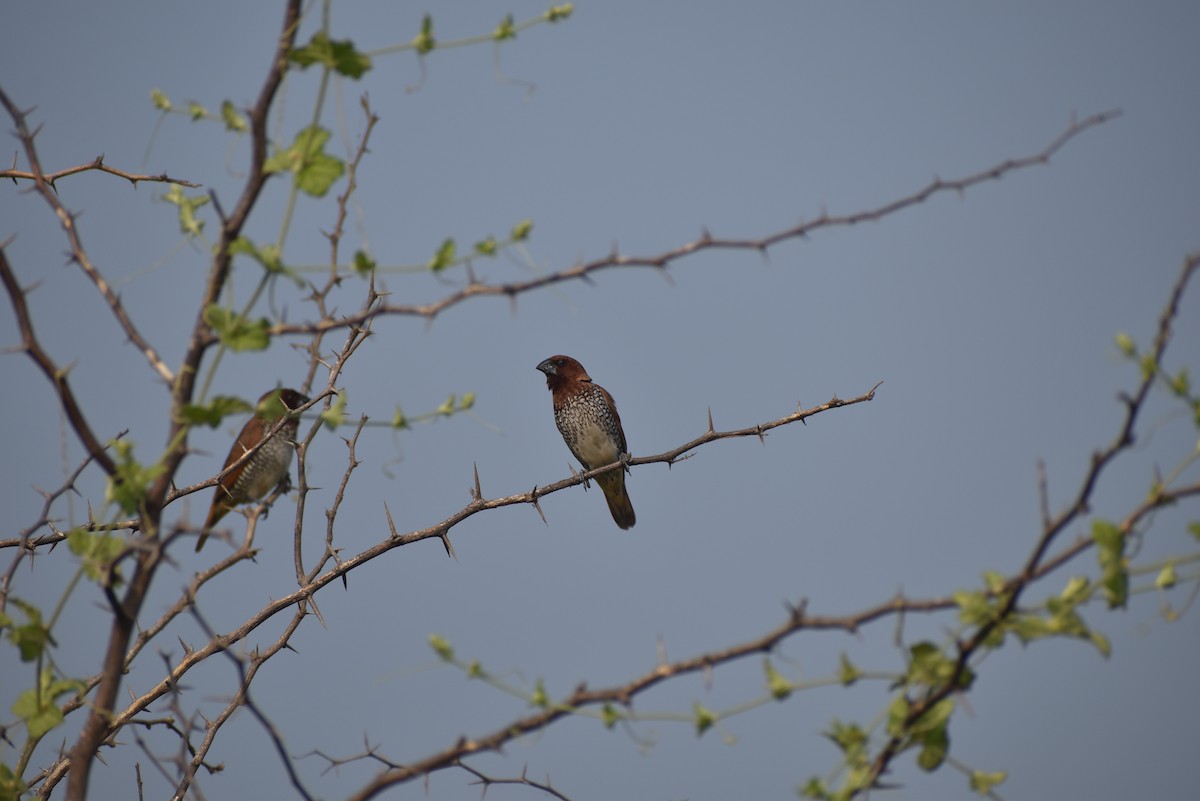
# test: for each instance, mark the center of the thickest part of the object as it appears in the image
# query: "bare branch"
(99, 165)
(664, 259)
(78, 254)
(56, 374)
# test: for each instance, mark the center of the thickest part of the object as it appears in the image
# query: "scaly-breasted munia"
(588, 421)
(269, 465)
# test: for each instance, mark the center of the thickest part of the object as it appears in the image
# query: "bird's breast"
(588, 429)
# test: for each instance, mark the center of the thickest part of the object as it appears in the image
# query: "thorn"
(477, 493)
(316, 611)
(445, 535)
(711, 430)
(705, 236)
(761, 436)
(391, 525)
(538, 506)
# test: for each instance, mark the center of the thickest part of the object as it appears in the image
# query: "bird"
(587, 418)
(269, 465)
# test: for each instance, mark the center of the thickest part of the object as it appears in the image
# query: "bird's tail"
(613, 485)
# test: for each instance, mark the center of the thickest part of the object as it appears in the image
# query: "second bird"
(269, 465)
(588, 421)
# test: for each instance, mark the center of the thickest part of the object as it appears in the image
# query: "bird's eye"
(561, 362)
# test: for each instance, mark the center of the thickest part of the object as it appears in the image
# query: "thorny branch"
(665, 259)
(67, 220)
(304, 593)
(1052, 528)
(96, 164)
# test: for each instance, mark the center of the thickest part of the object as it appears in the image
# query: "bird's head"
(559, 369)
(279, 402)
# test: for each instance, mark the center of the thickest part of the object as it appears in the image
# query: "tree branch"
(99, 165)
(78, 254)
(663, 260)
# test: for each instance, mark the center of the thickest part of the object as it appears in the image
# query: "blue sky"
(990, 317)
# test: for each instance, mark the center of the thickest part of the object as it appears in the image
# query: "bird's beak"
(548, 367)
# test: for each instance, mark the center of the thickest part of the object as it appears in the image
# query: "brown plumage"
(588, 421)
(269, 465)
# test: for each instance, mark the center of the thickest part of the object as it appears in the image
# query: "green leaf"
(983, 783)
(212, 413)
(97, 550)
(1181, 385)
(398, 419)
(444, 257)
(1078, 590)
(705, 718)
(1101, 642)
(486, 247)
(160, 101)
(197, 111)
(994, 581)
(129, 485)
(815, 789)
(779, 687)
(37, 706)
(466, 401)
(188, 222)
(1166, 577)
(935, 745)
(475, 670)
(11, 785)
(849, 737)
(521, 230)
(441, 647)
(897, 713)
(540, 699)
(335, 415)
(40, 714)
(363, 263)
(447, 408)
(233, 120)
(314, 170)
(1194, 529)
(1114, 580)
(1126, 345)
(505, 30)
(31, 638)
(848, 673)
(424, 41)
(559, 12)
(337, 55)
(236, 332)
(609, 715)
(936, 717)
(1030, 627)
(974, 608)
(268, 257)
(1149, 366)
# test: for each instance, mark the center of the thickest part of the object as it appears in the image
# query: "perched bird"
(269, 465)
(588, 421)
